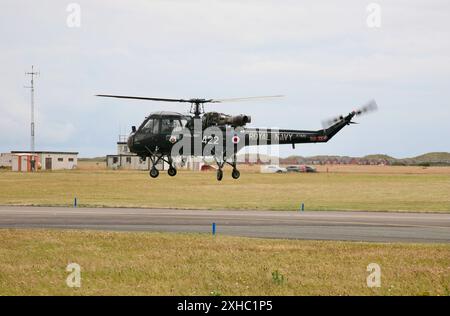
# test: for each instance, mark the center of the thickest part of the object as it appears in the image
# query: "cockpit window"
(178, 125)
(168, 125)
(151, 126)
(183, 123)
(155, 126)
(148, 126)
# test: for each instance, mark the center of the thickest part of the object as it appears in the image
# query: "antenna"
(32, 74)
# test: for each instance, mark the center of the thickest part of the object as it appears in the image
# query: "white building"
(24, 162)
(6, 160)
(44, 160)
(124, 159)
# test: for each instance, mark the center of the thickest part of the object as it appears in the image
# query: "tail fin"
(333, 126)
(336, 127)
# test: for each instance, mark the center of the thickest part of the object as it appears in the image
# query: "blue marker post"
(75, 202)
(214, 229)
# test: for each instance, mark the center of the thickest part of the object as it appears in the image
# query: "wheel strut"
(219, 174)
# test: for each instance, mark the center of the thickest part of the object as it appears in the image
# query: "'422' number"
(214, 140)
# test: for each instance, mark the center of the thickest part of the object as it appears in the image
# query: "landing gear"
(154, 173)
(219, 175)
(155, 157)
(235, 173)
(172, 171)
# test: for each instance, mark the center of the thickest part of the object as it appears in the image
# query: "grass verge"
(321, 191)
(33, 262)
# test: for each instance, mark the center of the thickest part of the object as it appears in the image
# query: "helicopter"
(164, 135)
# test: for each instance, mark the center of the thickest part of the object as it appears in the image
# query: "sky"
(326, 58)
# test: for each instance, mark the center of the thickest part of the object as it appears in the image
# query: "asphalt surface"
(320, 225)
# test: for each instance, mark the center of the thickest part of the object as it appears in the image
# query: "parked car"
(293, 169)
(273, 169)
(310, 169)
(302, 168)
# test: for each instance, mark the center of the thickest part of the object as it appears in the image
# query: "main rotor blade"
(245, 99)
(142, 98)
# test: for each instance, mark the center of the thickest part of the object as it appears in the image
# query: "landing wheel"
(154, 173)
(219, 175)
(172, 171)
(235, 174)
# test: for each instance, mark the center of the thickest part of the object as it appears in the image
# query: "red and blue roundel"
(173, 139)
(235, 139)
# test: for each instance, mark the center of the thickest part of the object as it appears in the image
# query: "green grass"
(321, 191)
(33, 262)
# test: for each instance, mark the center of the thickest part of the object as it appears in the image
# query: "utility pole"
(32, 74)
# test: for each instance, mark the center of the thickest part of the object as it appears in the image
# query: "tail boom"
(260, 136)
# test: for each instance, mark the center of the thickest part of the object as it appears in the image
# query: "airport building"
(43, 160)
(5, 160)
(124, 159)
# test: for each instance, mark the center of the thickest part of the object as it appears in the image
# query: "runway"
(314, 225)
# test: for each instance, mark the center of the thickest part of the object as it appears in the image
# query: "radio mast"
(32, 74)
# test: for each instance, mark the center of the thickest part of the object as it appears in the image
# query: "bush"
(277, 277)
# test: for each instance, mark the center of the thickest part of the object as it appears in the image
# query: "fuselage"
(171, 133)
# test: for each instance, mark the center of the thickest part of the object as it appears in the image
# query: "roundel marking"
(172, 139)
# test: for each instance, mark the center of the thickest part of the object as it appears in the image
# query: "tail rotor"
(370, 106)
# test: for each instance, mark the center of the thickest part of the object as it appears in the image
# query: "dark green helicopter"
(166, 135)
